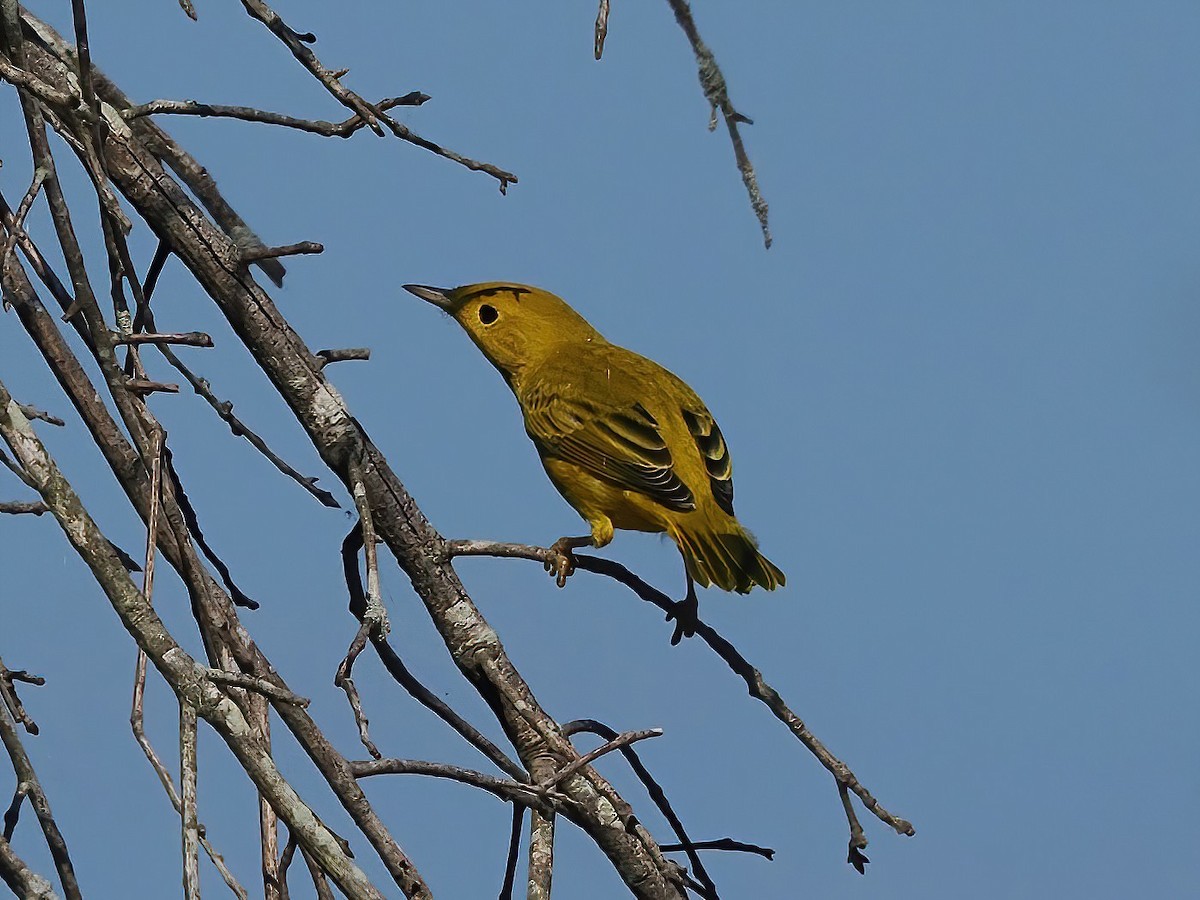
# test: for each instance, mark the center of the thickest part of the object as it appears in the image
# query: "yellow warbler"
(627, 443)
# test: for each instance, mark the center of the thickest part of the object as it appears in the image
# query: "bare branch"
(728, 844)
(254, 254)
(325, 357)
(189, 338)
(146, 386)
(10, 698)
(25, 883)
(181, 671)
(707, 888)
(858, 840)
(601, 27)
(343, 680)
(23, 507)
(259, 685)
(755, 683)
(187, 813)
(31, 787)
(224, 409)
(717, 94)
(514, 848)
(320, 885)
(248, 114)
(374, 613)
(399, 671)
(16, 225)
(32, 412)
(295, 42)
(621, 740)
(532, 795)
(541, 855)
(52, 95)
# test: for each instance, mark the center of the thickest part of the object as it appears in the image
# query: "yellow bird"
(626, 442)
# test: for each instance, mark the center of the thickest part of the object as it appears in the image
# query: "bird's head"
(515, 325)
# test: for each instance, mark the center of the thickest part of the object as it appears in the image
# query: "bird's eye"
(488, 314)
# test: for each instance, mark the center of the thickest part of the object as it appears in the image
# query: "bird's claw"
(686, 614)
(561, 564)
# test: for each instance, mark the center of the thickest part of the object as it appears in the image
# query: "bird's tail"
(730, 560)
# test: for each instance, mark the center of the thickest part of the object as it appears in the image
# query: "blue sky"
(960, 391)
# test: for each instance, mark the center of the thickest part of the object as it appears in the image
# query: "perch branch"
(755, 683)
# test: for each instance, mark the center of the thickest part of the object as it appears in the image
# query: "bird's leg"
(686, 613)
(563, 563)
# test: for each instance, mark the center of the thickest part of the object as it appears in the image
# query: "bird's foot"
(686, 614)
(562, 563)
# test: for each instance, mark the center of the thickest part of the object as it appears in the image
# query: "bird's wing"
(714, 452)
(617, 443)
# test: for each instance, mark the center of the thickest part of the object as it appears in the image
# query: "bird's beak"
(439, 297)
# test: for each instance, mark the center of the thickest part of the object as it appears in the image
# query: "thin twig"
(343, 680)
(255, 254)
(11, 699)
(258, 685)
(601, 27)
(187, 813)
(532, 795)
(16, 226)
(146, 386)
(16, 75)
(249, 114)
(541, 855)
(32, 412)
(224, 409)
(295, 42)
(13, 813)
(717, 93)
(755, 683)
(728, 844)
(400, 673)
(374, 614)
(320, 884)
(858, 840)
(189, 338)
(707, 887)
(514, 848)
(137, 714)
(29, 784)
(621, 740)
(184, 502)
(344, 354)
(373, 116)
(23, 507)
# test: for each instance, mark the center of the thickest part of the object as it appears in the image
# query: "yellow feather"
(627, 443)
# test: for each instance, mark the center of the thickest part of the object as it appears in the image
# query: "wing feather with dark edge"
(715, 454)
(622, 446)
